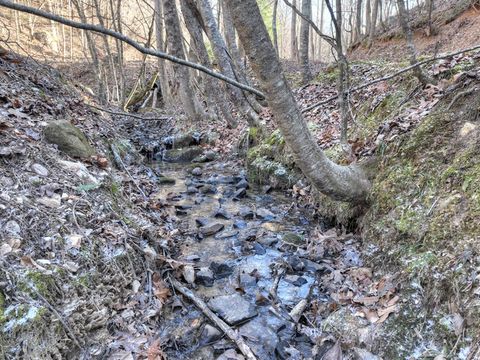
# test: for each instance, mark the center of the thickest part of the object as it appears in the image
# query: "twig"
(121, 113)
(60, 318)
(118, 159)
(129, 41)
(231, 333)
(274, 288)
(391, 76)
(459, 95)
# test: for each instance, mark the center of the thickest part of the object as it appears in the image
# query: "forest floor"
(101, 255)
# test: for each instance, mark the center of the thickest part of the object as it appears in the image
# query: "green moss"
(2, 307)
(43, 283)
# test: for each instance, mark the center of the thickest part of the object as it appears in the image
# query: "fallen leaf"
(155, 352)
(366, 300)
(160, 289)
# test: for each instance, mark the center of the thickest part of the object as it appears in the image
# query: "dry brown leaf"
(155, 351)
(160, 289)
(366, 300)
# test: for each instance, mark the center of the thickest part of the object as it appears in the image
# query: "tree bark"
(304, 41)
(215, 95)
(224, 61)
(368, 16)
(293, 34)
(347, 183)
(373, 22)
(274, 25)
(403, 18)
(358, 22)
(180, 84)
(160, 45)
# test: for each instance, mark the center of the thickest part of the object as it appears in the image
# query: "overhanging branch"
(127, 40)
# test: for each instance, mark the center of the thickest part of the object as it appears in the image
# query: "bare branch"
(391, 76)
(327, 38)
(125, 39)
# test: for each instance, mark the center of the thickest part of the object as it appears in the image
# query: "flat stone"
(226, 235)
(221, 271)
(264, 214)
(211, 229)
(293, 239)
(208, 189)
(210, 334)
(182, 155)
(267, 240)
(259, 249)
(222, 214)
(242, 184)
(247, 280)
(246, 213)
(239, 224)
(164, 180)
(261, 338)
(51, 202)
(234, 309)
(201, 221)
(192, 190)
(204, 276)
(231, 354)
(40, 170)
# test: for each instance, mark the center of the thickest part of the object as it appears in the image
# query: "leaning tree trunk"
(403, 18)
(347, 183)
(181, 81)
(216, 99)
(304, 41)
(293, 34)
(226, 66)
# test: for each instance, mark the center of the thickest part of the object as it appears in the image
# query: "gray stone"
(240, 193)
(261, 338)
(242, 184)
(265, 214)
(204, 277)
(210, 334)
(247, 281)
(69, 139)
(197, 171)
(211, 229)
(234, 309)
(222, 214)
(163, 180)
(293, 239)
(192, 190)
(12, 228)
(201, 221)
(362, 354)
(208, 189)
(40, 170)
(231, 354)
(246, 213)
(182, 155)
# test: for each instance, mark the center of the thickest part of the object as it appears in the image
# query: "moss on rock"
(69, 139)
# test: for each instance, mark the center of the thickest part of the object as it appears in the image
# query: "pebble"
(208, 189)
(197, 171)
(234, 309)
(222, 214)
(239, 224)
(210, 334)
(259, 249)
(221, 271)
(246, 213)
(192, 190)
(201, 221)
(265, 214)
(211, 229)
(12, 228)
(40, 170)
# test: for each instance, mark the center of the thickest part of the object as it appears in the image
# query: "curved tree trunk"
(347, 183)
(304, 41)
(181, 83)
(215, 95)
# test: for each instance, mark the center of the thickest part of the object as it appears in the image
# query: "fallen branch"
(100, 29)
(231, 333)
(121, 113)
(391, 76)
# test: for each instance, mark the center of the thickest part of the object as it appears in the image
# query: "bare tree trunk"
(181, 81)
(304, 41)
(373, 22)
(293, 35)
(224, 62)
(116, 13)
(347, 183)
(429, 6)
(274, 25)
(403, 18)
(160, 44)
(368, 16)
(93, 53)
(358, 22)
(214, 94)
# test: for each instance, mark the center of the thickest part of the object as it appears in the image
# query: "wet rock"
(207, 157)
(192, 190)
(234, 309)
(69, 139)
(40, 170)
(226, 180)
(246, 213)
(300, 281)
(205, 277)
(222, 214)
(197, 171)
(231, 354)
(261, 338)
(208, 189)
(259, 249)
(220, 271)
(266, 189)
(296, 263)
(242, 184)
(211, 229)
(291, 294)
(226, 235)
(182, 155)
(264, 214)
(239, 224)
(181, 140)
(201, 221)
(164, 180)
(247, 281)
(267, 240)
(239, 194)
(210, 334)
(210, 138)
